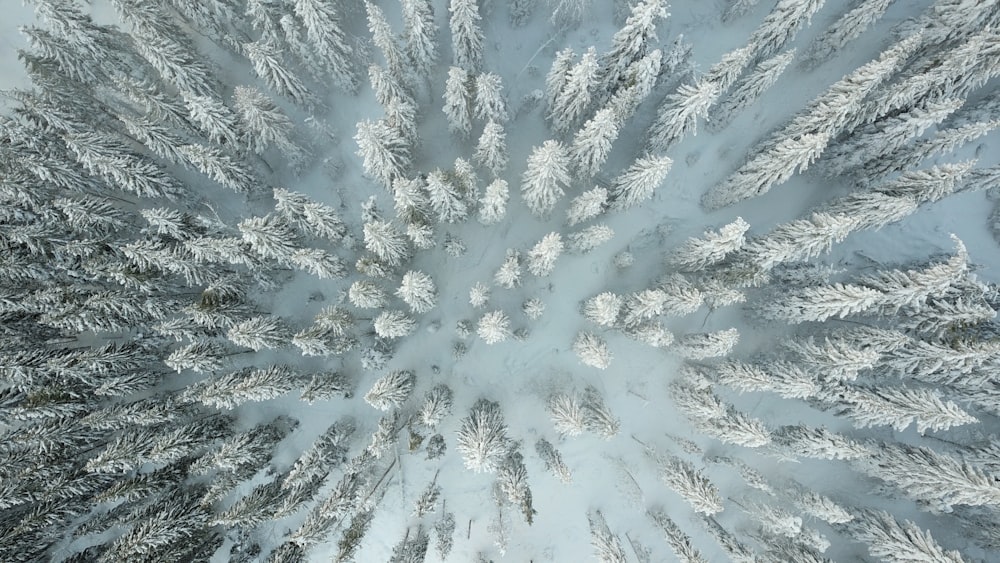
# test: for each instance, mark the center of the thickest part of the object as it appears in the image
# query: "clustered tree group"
(147, 239)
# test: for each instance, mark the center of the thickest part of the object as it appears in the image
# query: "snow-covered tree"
(587, 205)
(493, 204)
(679, 542)
(418, 291)
(545, 178)
(479, 295)
(895, 542)
(847, 28)
(585, 240)
(436, 406)
(533, 308)
(324, 31)
(592, 143)
(384, 151)
(420, 34)
(268, 64)
(509, 274)
(542, 257)
(639, 181)
(692, 485)
(567, 414)
(384, 241)
(259, 333)
(490, 103)
(553, 460)
(558, 73)
(391, 390)
(699, 253)
(494, 327)
(568, 13)
(482, 437)
(607, 546)
(393, 324)
(458, 101)
(630, 43)
(575, 96)
(603, 309)
(748, 89)
(707, 345)
(491, 151)
(596, 415)
(898, 407)
(367, 294)
(445, 199)
(679, 113)
(592, 350)
(466, 34)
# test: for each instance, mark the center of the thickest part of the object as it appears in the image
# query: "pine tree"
(324, 32)
(491, 151)
(366, 294)
(245, 385)
(555, 80)
(533, 308)
(592, 143)
(630, 43)
(311, 217)
(458, 101)
(490, 103)
(420, 35)
(542, 257)
(384, 241)
(896, 542)
(494, 327)
(607, 546)
(393, 324)
(575, 96)
(479, 295)
(482, 437)
(748, 89)
(596, 415)
(384, 151)
(546, 176)
(678, 114)
(603, 309)
(819, 443)
(569, 13)
(591, 350)
(898, 407)
(509, 274)
(220, 167)
(697, 254)
(445, 199)
(436, 406)
(418, 291)
(567, 414)
(553, 460)
(707, 345)
(493, 204)
(445, 531)
(512, 478)
(259, 333)
(466, 34)
(639, 181)
(265, 57)
(847, 28)
(679, 542)
(391, 390)
(692, 485)
(587, 205)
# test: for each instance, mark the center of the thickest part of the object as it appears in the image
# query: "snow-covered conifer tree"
(482, 437)
(436, 406)
(679, 542)
(490, 103)
(491, 151)
(639, 181)
(630, 43)
(553, 460)
(569, 13)
(265, 124)
(479, 295)
(323, 29)
(509, 274)
(592, 143)
(542, 257)
(493, 204)
(545, 178)
(699, 253)
(607, 546)
(259, 333)
(458, 101)
(265, 56)
(445, 199)
(418, 291)
(748, 89)
(707, 345)
(391, 390)
(596, 415)
(590, 238)
(466, 34)
(575, 96)
(895, 542)
(494, 327)
(384, 151)
(558, 73)
(219, 166)
(213, 117)
(603, 309)
(692, 485)
(587, 205)
(245, 385)
(384, 241)
(592, 350)
(848, 27)
(678, 114)
(420, 34)
(533, 308)
(311, 217)
(567, 414)
(393, 324)
(366, 294)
